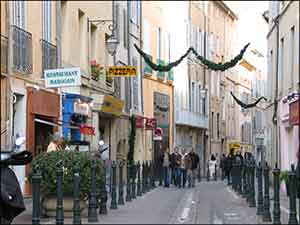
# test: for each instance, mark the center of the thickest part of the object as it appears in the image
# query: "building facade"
(283, 81)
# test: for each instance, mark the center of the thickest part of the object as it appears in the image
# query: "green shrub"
(284, 176)
(47, 164)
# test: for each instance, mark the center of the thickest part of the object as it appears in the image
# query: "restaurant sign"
(122, 71)
(62, 77)
(295, 113)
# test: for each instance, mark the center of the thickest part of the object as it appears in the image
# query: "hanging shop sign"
(158, 133)
(62, 77)
(81, 108)
(295, 113)
(112, 105)
(122, 71)
(150, 123)
(87, 130)
(139, 122)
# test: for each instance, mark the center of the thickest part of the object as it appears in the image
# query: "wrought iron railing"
(4, 52)
(22, 50)
(49, 56)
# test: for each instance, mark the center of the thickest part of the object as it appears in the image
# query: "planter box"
(49, 206)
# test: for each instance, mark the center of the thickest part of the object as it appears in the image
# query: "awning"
(54, 124)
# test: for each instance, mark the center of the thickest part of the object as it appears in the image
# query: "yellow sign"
(122, 71)
(112, 105)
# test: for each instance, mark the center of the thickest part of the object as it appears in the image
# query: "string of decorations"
(244, 105)
(131, 140)
(211, 65)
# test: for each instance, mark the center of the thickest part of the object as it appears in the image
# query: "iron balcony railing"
(22, 50)
(193, 119)
(49, 56)
(4, 52)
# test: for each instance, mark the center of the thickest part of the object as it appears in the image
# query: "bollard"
(260, 200)
(152, 176)
(239, 178)
(92, 210)
(121, 184)
(207, 172)
(103, 194)
(113, 204)
(233, 176)
(133, 193)
(139, 193)
(252, 202)
(266, 214)
(76, 203)
(276, 208)
(248, 178)
(292, 196)
(36, 182)
(199, 173)
(215, 175)
(59, 193)
(128, 184)
(160, 175)
(146, 177)
(244, 192)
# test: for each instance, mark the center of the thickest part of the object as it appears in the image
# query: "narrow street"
(208, 203)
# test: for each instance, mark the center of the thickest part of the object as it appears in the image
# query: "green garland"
(131, 140)
(211, 65)
(244, 105)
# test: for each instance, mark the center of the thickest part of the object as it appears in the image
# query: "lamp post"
(203, 94)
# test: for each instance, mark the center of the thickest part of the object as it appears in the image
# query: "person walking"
(188, 168)
(166, 165)
(195, 162)
(177, 167)
(222, 166)
(212, 166)
(228, 166)
(183, 168)
(173, 167)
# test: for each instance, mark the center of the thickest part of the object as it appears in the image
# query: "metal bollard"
(252, 202)
(292, 196)
(216, 173)
(113, 204)
(160, 175)
(233, 175)
(36, 182)
(143, 178)
(199, 173)
(239, 178)
(128, 184)
(244, 192)
(152, 176)
(76, 203)
(59, 193)
(248, 177)
(121, 184)
(139, 192)
(133, 193)
(260, 200)
(266, 214)
(146, 177)
(92, 211)
(103, 194)
(276, 208)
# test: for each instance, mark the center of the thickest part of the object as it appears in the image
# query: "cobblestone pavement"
(208, 203)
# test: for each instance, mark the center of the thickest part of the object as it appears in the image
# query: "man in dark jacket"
(172, 166)
(222, 165)
(195, 161)
(228, 165)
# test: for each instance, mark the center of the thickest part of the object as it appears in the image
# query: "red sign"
(295, 113)
(139, 122)
(150, 123)
(87, 130)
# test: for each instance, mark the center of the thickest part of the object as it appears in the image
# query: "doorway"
(43, 136)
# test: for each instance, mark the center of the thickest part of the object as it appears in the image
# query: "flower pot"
(49, 205)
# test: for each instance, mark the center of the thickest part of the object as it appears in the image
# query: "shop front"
(43, 108)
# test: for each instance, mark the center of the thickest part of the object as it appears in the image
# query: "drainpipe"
(128, 48)
(8, 87)
(141, 69)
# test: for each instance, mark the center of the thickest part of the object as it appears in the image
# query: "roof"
(227, 9)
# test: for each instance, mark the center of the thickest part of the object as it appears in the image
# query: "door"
(43, 136)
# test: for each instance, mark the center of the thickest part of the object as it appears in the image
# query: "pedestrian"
(212, 166)
(173, 167)
(166, 165)
(195, 162)
(183, 169)
(188, 168)
(298, 171)
(56, 144)
(222, 166)
(177, 167)
(228, 166)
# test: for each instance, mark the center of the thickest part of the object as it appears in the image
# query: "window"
(135, 88)
(135, 12)
(218, 83)
(93, 41)
(193, 97)
(82, 46)
(47, 21)
(292, 53)
(218, 125)
(125, 28)
(200, 106)
(270, 73)
(19, 13)
(146, 36)
(281, 64)
(158, 43)
(169, 48)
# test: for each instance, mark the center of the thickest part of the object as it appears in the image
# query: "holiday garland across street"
(244, 105)
(211, 65)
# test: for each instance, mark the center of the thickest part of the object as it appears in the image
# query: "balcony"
(49, 57)
(187, 118)
(160, 75)
(22, 50)
(4, 48)
(147, 69)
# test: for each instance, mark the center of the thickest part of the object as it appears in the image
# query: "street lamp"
(111, 44)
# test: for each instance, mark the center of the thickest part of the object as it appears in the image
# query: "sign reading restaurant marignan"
(62, 77)
(122, 71)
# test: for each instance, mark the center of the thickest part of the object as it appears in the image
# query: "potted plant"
(47, 164)
(97, 71)
(285, 177)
